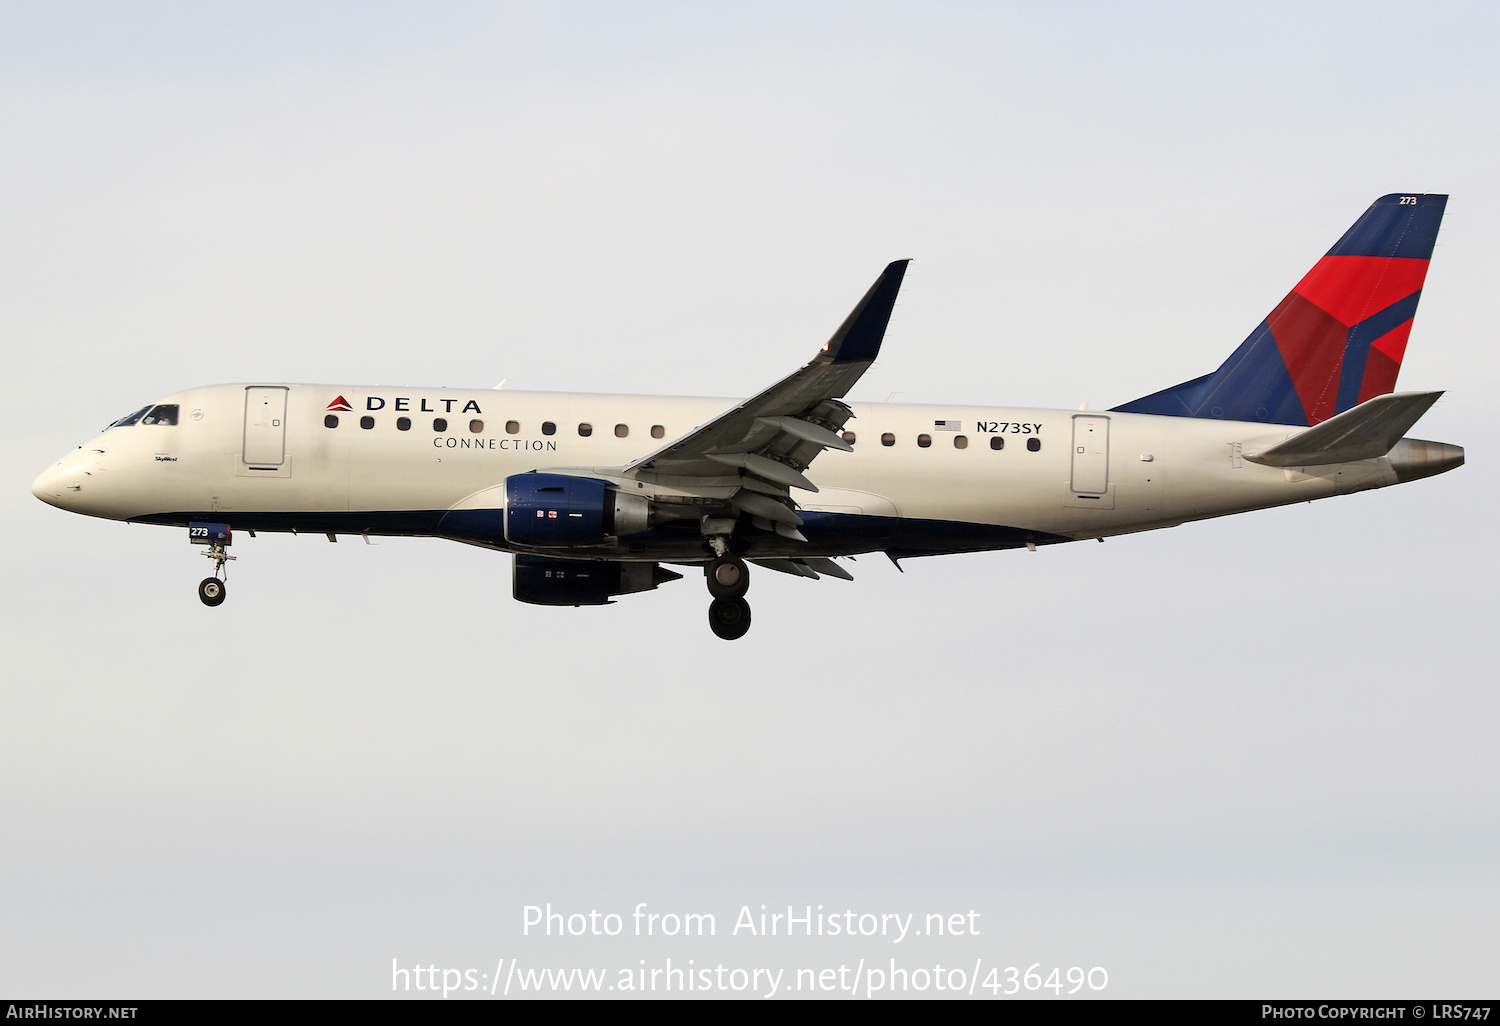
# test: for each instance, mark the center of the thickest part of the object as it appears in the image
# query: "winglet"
(859, 337)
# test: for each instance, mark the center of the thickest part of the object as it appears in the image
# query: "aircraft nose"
(48, 485)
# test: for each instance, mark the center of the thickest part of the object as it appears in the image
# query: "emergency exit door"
(1090, 455)
(265, 426)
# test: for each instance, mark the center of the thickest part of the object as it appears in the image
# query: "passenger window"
(330, 421)
(1034, 444)
(439, 424)
(584, 430)
(403, 423)
(849, 437)
(166, 414)
(132, 418)
(997, 442)
(924, 441)
(549, 428)
(367, 422)
(657, 431)
(960, 441)
(621, 430)
(512, 426)
(887, 439)
(476, 426)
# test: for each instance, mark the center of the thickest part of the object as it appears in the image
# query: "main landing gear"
(729, 618)
(728, 579)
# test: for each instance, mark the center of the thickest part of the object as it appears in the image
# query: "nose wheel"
(211, 591)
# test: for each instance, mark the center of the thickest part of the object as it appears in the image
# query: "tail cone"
(1413, 458)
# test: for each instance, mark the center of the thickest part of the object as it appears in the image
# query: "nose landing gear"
(211, 589)
(216, 537)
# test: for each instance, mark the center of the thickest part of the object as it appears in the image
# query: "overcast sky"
(1245, 758)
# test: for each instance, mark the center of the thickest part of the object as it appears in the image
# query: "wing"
(755, 452)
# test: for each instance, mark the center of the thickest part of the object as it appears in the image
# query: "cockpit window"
(164, 414)
(128, 421)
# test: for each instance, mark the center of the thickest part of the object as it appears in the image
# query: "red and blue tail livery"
(1336, 340)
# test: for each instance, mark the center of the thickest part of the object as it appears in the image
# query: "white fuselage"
(1083, 475)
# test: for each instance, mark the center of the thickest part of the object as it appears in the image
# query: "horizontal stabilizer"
(1366, 432)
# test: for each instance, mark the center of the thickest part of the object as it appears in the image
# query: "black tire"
(728, 577)
(211, 591)
(729, 618)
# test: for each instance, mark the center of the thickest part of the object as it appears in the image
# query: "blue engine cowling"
(550, 510)
(543, 581)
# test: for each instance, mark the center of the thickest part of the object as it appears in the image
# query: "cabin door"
(1090, 455)
(265, 426)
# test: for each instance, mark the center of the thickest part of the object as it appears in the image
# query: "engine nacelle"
(559, 510)
(543, 581)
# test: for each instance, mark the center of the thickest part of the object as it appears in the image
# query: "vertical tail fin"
(1337, 338)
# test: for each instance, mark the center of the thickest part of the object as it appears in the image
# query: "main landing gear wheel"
(729, 618)
(728, 577)
(211, 591)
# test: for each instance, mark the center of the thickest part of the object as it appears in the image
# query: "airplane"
(593, 494)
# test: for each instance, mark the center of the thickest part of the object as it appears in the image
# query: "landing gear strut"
(211, 589)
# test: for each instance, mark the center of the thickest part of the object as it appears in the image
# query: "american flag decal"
(947, 425)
